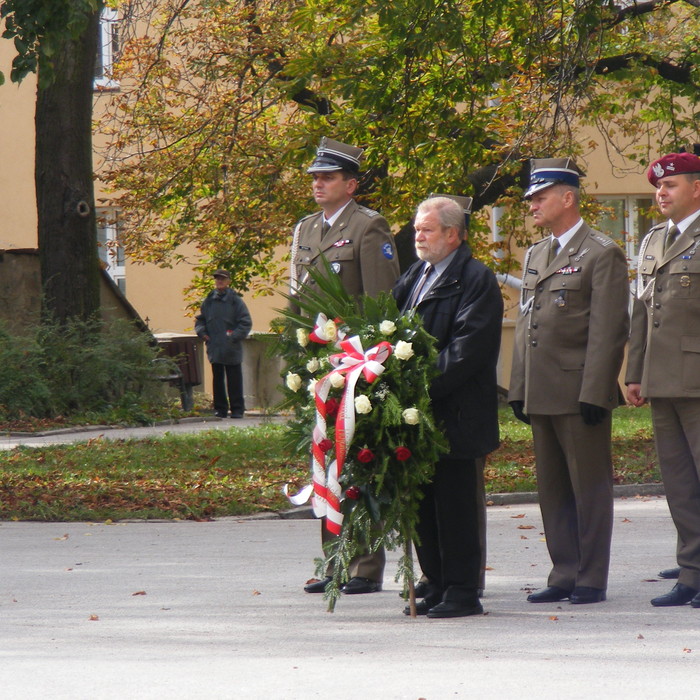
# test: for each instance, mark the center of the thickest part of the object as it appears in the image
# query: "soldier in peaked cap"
(359, 246)
(664, 356)
(569, 341)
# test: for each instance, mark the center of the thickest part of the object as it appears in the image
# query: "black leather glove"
(591, 414)
(519, 412)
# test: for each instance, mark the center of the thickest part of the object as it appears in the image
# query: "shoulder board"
(602, 240)
(308, 216)
(367, 212)
(541, 241)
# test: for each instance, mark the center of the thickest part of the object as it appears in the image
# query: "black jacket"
(464, 311)
(226, 320)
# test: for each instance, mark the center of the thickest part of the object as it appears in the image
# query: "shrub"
(79, 367)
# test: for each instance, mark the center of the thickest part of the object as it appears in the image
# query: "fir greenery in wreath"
(356, 377)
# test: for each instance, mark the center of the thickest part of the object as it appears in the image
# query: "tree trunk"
(64, 181)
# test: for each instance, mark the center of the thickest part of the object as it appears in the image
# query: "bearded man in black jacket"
(460, 303)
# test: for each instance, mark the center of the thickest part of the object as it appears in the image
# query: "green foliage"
(39, 28)
(234, 96)
(79, 367)
(379, 432)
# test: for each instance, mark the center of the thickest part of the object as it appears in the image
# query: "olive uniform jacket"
(572, 327)
(359, 246)
(664, 351)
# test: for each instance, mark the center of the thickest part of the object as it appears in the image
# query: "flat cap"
(545, 172)
(464, 202)
(333, 155)
(673, 164)
(221, 273)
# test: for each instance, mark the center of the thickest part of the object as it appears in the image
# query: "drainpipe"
(507, 279)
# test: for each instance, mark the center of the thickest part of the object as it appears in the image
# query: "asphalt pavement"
(216, 610)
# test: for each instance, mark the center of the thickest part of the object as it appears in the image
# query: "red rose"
(365, 455)
(325, 445)
(332, 406)
(352, 492)
(402, 453)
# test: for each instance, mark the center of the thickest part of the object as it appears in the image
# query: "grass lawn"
(237, 472)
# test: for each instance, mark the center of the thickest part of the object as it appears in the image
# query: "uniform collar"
(566, 237)
(682, 226)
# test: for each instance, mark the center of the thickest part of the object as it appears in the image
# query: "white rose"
(387, 327)
(362, 404)
(293, 381)
(311, 387)
(330, 330)
(313, 365)
(411, 416)
(302, 337)
(403, 350)
(337, 380)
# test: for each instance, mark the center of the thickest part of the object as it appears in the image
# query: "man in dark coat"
(461, 305)
(223, 323)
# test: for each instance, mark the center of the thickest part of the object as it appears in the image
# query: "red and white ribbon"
(352, 362)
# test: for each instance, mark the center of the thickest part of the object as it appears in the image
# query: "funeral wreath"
(356, 375)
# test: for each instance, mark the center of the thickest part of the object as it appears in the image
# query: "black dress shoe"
(357, 584)
(678, 595)
(586, 594)
(422, 608)
(318, 586)
(695, 602)
(551, 594)
(237, 415)
(670, 573)
(453, 609)
(221, 414)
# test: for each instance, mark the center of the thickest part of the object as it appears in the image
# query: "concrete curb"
(492, 499)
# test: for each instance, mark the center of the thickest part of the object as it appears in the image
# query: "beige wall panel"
(17, 198)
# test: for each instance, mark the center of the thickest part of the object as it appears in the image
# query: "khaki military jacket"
(572, 327)
(359, 246)
(664, 351)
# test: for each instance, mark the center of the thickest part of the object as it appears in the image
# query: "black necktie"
(415, 297)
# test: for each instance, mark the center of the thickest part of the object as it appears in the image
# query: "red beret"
(673, 164)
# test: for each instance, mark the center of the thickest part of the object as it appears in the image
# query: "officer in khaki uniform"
(570, 337)
(359, 246)
(355, 240)
(664, 355)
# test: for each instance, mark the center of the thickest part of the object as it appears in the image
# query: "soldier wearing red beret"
(664, 356)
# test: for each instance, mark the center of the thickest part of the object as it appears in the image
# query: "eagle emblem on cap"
(658, 170)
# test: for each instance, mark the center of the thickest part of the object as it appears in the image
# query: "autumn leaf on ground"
(61, 539)
(686, 650)
(93, 618)
(139, 593)
(626, 520)
(554, 618)
(640, 636)
(257, 593)
(526, 527)
(521, 515)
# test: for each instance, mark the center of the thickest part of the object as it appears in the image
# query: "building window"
(627, 220)
(107, 50)
(109, 246)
